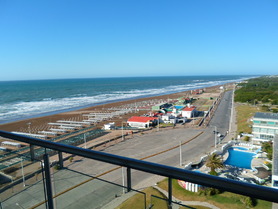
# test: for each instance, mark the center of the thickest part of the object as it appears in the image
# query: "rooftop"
(141, 119)
(189, 108)
(265, 115)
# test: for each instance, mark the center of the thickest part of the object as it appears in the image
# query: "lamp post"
(158, 124)
(29, 127)
(85, 140)
(122, 131)
(22, 172)
(215, 136)
(123, 180)
(180, 155)
(232, 109)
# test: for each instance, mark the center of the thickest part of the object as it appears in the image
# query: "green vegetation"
(224, 200)
(71, 159)
(268, 148)
(214, 162)
(258, 90)
(244, 113)
(137, 201)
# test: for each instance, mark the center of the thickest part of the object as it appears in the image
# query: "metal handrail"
(256, 191)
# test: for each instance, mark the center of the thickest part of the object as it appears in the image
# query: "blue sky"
(119, 38)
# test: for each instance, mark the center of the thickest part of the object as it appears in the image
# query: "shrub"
(56, 167)
(248, 201)
(71, 159)
(246, 138)
(209, 191)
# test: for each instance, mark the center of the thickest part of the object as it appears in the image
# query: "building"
(189, 112)
(161, 106)
(141, 122)
(265, 126)
(275, 163)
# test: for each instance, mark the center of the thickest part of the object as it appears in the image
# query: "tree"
(214, 162)
(268, 148)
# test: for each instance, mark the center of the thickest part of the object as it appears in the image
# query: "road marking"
(116, 168)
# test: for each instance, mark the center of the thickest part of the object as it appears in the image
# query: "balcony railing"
(255, 191)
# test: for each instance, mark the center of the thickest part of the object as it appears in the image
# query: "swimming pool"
(240, 148)
(179, 107)
(239, 158)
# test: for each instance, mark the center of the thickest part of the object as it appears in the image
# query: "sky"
(50, 39)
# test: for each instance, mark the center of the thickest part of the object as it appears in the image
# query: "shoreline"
(43, 119)
(45, 114)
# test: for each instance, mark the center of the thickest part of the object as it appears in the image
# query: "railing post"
(32, 152)
(128, 176)
(170, 192)
(61, 160)
(48, 181)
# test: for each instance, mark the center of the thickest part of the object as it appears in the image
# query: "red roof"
(189, 109)
(140, 119)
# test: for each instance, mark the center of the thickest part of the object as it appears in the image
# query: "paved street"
(95, 193)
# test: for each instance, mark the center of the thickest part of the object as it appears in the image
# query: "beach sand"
(40, 123)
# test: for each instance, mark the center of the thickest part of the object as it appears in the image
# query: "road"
(97, 193)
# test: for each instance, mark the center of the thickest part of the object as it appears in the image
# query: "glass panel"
(22, 183)
(78, 185)
(158, 202)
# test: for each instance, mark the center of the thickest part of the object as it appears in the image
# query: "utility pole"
(232, 113)
(180, 155)
(122, 131)
(158, 124)
(215, 136)
(85, 140)
(22, 172)
(123, 180)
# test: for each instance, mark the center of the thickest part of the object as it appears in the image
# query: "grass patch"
(195, 207)
(137, 201)
(203, 104)
(225, 200)
(243, 116)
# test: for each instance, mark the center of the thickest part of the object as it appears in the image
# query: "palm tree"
(213, 162)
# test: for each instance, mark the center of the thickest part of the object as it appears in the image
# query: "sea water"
(25, 99)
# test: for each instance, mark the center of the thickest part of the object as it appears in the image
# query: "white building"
(109, 126)
(265, 126)
(275, 163)
(141, 122)
(169, 118)
(189, 112)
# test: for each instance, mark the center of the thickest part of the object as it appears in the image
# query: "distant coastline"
(76, 94)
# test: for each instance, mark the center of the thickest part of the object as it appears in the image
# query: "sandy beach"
(40, 123)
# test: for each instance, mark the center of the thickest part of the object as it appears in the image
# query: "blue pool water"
(240, 148)
(179, 107)
(239, 158)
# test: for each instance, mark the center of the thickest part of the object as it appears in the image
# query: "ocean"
(26, 99)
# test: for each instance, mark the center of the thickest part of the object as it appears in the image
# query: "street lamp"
(123, 180)
(122, 131)
(158, 123)
(29, 127)
(232, 111)
(85, 141)
(180, 155)
(215, 136)
(22, 172)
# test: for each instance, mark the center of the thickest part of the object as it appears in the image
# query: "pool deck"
(257, 173)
